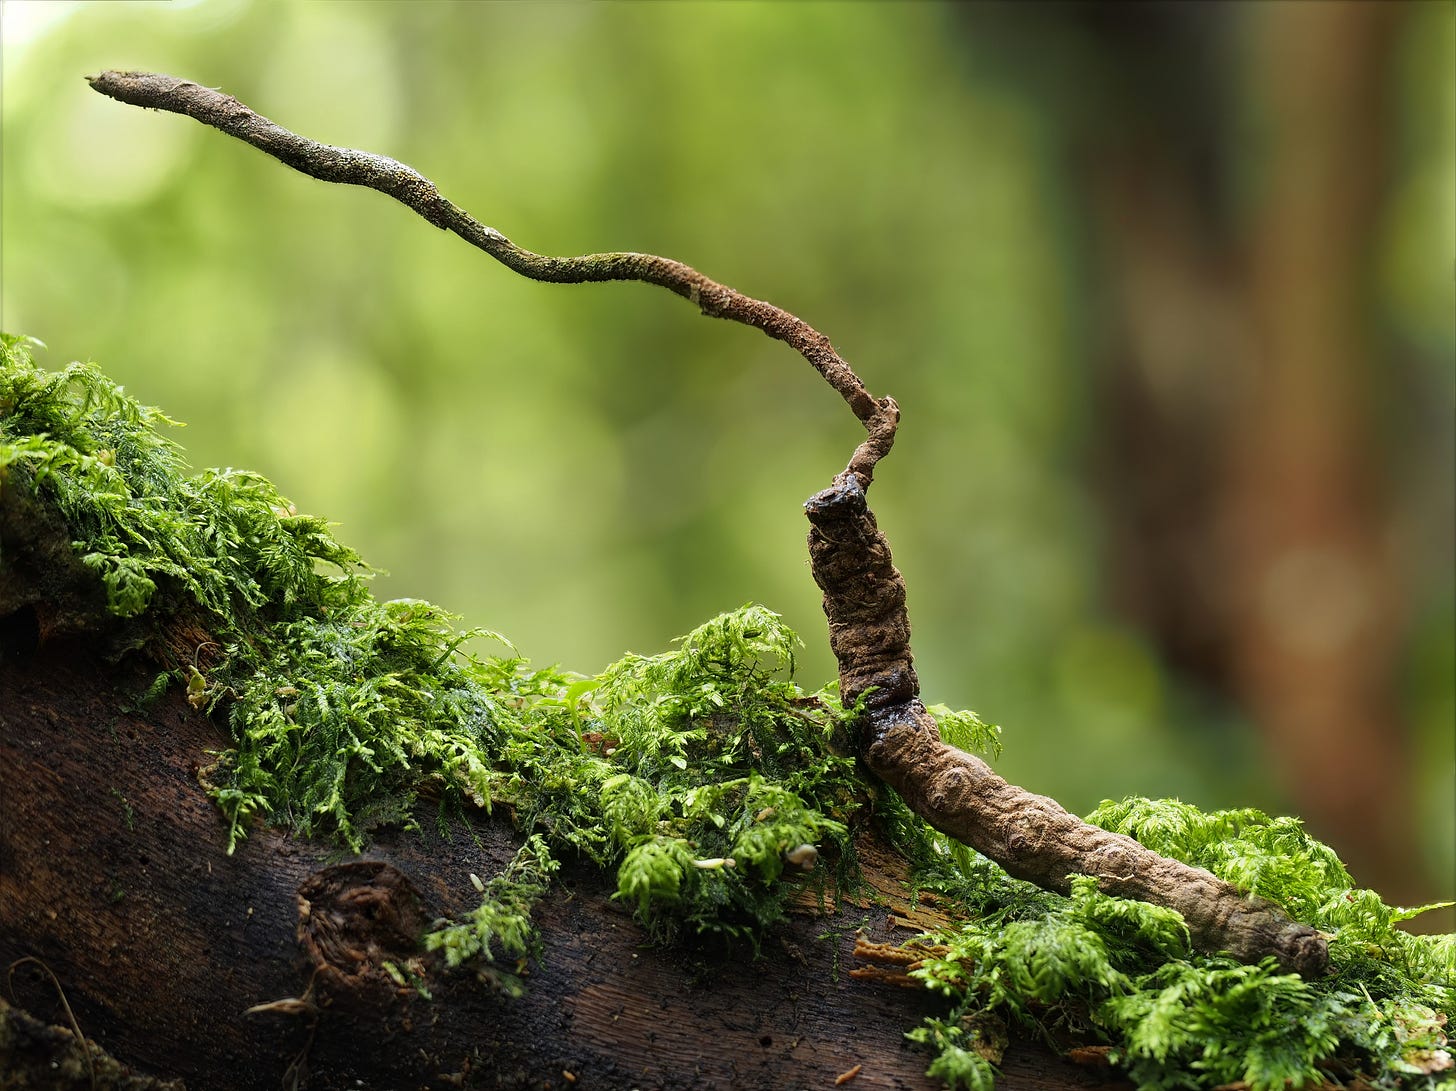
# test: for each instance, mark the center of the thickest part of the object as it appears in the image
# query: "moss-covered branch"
(864, 596)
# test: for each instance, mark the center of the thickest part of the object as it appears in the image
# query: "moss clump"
(503, 918)
(701, 774)
(704, 776)
(1090, 968)
(223, 538)
(1094, 968)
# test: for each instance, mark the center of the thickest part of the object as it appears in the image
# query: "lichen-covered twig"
(864, 596)
(356, 168)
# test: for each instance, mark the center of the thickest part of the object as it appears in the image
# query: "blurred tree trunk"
(1242, 469)
(1320, 623)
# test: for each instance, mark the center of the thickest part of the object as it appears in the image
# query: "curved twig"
(406, 185)
(864, 595)
(81, 1040)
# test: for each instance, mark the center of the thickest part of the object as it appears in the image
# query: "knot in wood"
(1118, 863)
(353, 917)
(1024, 837)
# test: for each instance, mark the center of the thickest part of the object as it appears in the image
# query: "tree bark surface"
(114, 874)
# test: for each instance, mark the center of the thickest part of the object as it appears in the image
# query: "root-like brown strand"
(864, 597)
(1029, 835)
(349, 166)
(1034, 838)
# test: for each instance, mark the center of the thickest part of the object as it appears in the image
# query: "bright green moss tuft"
(1117, 972)
(503, 918)
(225, 539)
(344, 716)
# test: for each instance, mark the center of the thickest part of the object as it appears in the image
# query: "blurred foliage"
(595, 469)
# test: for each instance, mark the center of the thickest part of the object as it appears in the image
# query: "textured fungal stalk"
(1029, 835)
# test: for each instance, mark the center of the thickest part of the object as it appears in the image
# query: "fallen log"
(265, 968)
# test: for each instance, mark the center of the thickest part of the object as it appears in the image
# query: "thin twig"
(81, 1041)
(406, 185)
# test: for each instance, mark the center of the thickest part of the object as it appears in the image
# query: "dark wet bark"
(114, 873)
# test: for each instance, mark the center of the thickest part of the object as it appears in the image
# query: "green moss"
(503, 918)
(343, 709)
(1093, 968)
(704, 776)
(224, 539)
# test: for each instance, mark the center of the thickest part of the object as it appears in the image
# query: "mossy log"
(299, 965)
(267, 968)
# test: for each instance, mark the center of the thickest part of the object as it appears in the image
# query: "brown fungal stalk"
(1029, 835)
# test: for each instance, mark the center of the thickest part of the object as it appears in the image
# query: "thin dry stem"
(406, 185)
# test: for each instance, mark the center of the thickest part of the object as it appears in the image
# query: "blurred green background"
(1164, 292)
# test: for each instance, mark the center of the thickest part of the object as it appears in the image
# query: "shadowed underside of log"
(113, 873)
